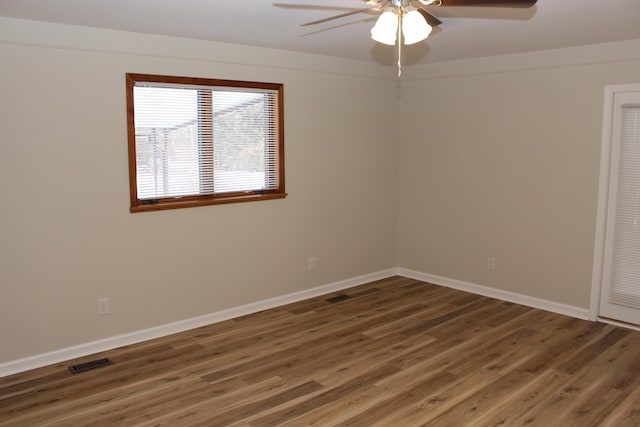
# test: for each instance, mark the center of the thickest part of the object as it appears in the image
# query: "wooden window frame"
(138, 205)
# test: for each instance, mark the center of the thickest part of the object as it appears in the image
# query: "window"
(195, 142)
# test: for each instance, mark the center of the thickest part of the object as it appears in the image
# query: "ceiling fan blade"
(488, 3)
(342, 15)
(431, 20)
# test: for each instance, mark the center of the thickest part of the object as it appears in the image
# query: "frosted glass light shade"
(414, 27)
(386, 28)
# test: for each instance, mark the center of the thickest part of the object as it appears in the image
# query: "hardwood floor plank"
(483, 399)
(255, 407)
(580, 359)
(562, 344)
(425, 387)
(444, 355)
(469, 376)
(400, 323)
(589, 396)
(344, 390)
(521, 400)
(194, 410)
(627, 414)
(342, 410)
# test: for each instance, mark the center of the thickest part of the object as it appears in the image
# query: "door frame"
(610, 92)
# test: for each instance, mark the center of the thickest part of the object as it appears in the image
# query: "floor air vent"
(87, 366)
(338, 298)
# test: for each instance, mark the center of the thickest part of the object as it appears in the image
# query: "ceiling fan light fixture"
(386, 28)
(414, 27)
(406, 22)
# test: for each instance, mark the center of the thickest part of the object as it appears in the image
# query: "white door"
(620, 291)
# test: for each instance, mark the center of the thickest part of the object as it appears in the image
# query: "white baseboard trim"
(111, 343)
(568, 310)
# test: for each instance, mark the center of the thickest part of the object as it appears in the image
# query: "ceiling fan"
(408, 21)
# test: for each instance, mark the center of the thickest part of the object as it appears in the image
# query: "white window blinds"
(625, 271)
(204, 140)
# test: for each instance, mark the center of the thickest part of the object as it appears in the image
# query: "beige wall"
(67, 237)
(500, 157)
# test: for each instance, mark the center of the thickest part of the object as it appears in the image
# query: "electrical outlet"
(311, 263)
(491, 263)
(103, 306)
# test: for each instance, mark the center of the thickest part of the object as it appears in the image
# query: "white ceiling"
(466, 32)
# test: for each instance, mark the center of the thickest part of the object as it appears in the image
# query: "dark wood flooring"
(396, 352)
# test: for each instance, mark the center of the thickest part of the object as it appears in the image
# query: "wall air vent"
(87, 366)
